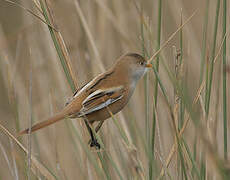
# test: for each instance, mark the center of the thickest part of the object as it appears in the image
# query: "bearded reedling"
(107, 93)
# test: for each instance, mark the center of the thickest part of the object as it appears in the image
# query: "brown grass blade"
(36, 166)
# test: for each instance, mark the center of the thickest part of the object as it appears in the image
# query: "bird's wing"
(90, 86)
(69, 100)
(100, 99)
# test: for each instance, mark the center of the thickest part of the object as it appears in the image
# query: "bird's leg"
(93, 139)
(98, 127)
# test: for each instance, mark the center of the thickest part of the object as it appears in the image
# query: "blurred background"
(137, 141)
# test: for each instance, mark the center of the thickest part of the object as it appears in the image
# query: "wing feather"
(100, 99)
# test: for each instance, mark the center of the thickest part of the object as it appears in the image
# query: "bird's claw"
(95, 143)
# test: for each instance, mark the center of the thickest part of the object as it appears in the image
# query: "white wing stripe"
(102, 90)
(86, 86)
(91, 95)
(101, 106)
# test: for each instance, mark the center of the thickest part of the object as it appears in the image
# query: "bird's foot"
(94, 143)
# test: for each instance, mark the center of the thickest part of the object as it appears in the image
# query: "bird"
(103, 96)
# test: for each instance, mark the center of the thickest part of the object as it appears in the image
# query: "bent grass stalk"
(225, 127)
(152, 144)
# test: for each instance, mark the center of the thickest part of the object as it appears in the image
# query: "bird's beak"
(148, 65)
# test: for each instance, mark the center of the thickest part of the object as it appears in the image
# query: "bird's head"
(133, 64)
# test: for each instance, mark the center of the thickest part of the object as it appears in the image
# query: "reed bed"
(176, 123)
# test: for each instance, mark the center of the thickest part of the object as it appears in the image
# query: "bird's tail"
(51, 120)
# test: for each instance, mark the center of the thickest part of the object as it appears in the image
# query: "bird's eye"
(142, 63)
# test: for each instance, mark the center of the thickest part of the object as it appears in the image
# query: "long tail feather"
(45, 123)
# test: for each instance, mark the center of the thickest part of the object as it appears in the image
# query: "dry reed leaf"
(36, 165)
